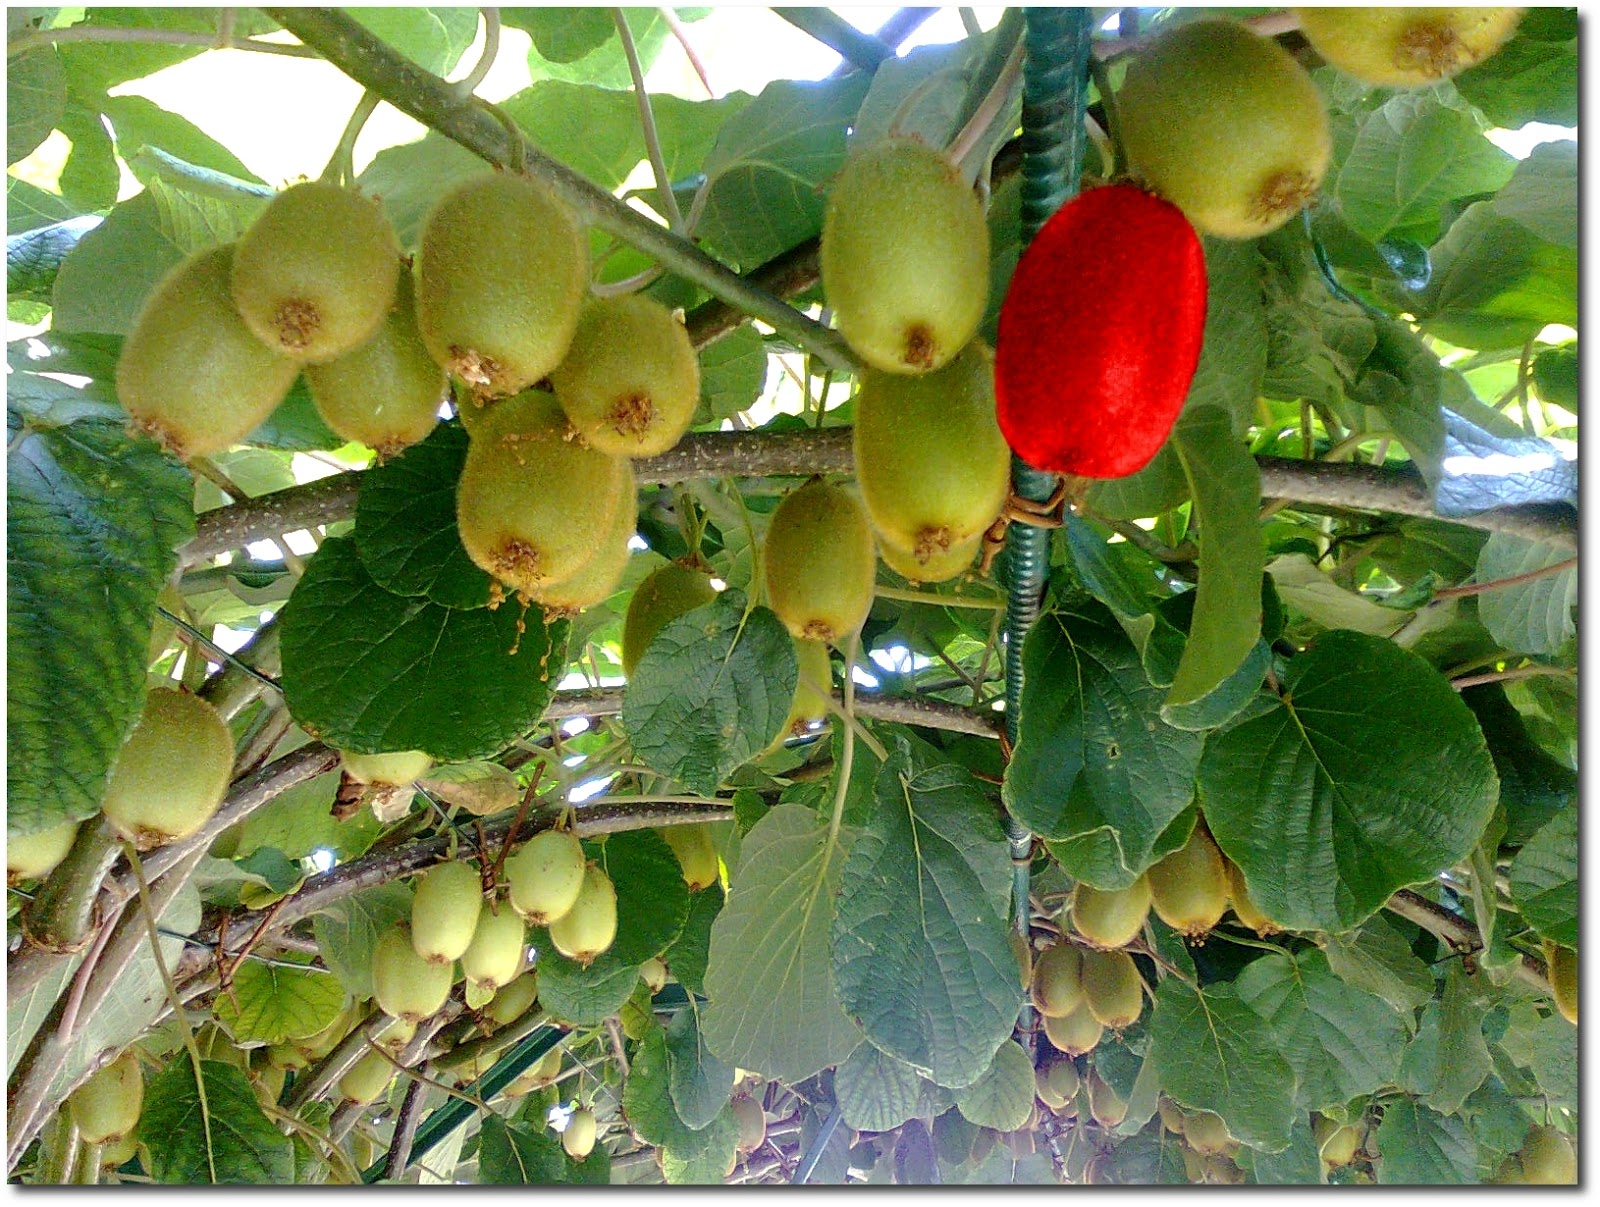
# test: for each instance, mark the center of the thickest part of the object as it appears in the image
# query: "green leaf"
(733, 372)
(1533, 77)
(876, 1091)
(1313, 592)
(579, 996)
(97, 67)
(432, 38)
(270, 1004)
(1409, 158)
(1002, 1096)
(1553, 1060)
(91, 177)
(772, 1003)
(1095, 768)
(1342, 1041)
(1377, 959)
(520, 1154)
(1298, 1165)
(921, 952)
(689, 951)
(771, 162)
(299, 822)
(1157, 488)
(1213, 1054)
(140, 122)
(563, 35)
(1534, 617)
(370, 671)
(1421, 1147)
(701, 1085)
(1226, 487)
(709, 1161)
(1369, 774)
(1448, 1058)
(94, 518)
(347, 931)
(1233, 354)
(1544, 879)
(652, 899)
(220, 1138)
(104, 281)
(647, 1099)
(29, 207)
(1542, 194)
(36, 96)
(604, 64)
(711, 691)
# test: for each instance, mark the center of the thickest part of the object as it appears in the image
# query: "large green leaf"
(1368, 774)
(647, 1099)
(370, 671)
(583, 56)
(1342, 1041)
(772, 1003)
(1544, 879)
(709, 1163)
(921, 952)
(28, 207)
(1226, 488)
(1003, 1094)
(93, 522)
(215, 1138)
(1298, 1165)
(1095, 768)
(1533, 617)
(1533, 77)
(878, 1092)
(711, 691)
(1448, 1057)
(512, 1153)
(687, 955)
(269, 1004)
(1376, 958)
(733, 371)
(579, 996)
(1421, 1147)
(433, 38)
(701, 1085)
(766, 174)
(36, 96)
(1212, 1053)
(140, 122)
(652, 898)
(1233, 354)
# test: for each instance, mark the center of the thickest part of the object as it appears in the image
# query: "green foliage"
(211, 1131)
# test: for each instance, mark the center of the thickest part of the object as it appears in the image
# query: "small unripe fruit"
(1561, 967)
(285, 1056)
(1075, 1033)
(1057, 1084)
(1112, 990)
(630, 381)
(820, 564)
(1226, 125)
(501, 271)
(532, 506)
(1406, 47)
(812, 691)
(34, 856)
(1106, 1107)
(653, 972)
(1208, 1135)
(541, 1075)
(366, 1080)
(578, 1139)
(663, 596)
(1338, 1143)
(444, 912)
(498, 951)
(696, 852)
(905, 257)
(1221, 1171)
(1171, 1117)
(513, 999)
(172, 772)
(384, 393)
(394, 770)
(933, 467)
(405, 985)
(107, 1106)
(1110, 918)
(941, 565)
(1189, 888)
(393, 1035)
(1244, 908)
(752, 1121)
(589, 927)
(319, 1043)
(1548, 1158)
(1057, 988)
(597, 578)
(1086, 383)
(191, 374)
(117, 1153)
(545, 875)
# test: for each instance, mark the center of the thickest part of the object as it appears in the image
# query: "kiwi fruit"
(905, 257)
(1561, 967)
(1547, 1158)
(578, 1138)
(752, 1123)
(406, 986)
(117, 1153)
(1225, 125)
(1106, 1106)
(532, 506)
(1406, 47)
(812, 690)
(539, 1076)
(630, 382)
(513, 999)
(663, 596)
(394, 769)
(1208, 1135)
(545, 875)
(1057, 1084)
(319, 1043)
(1221, 1171)
(940, 565)
(384, 393)
(34, 856)
(1171, 1117)
(1109, 918)
(598, 577)
(1057, 987)
(588, 928)
(393, 1034)
(819, 563)
(502, 267)
(1244, 908)
(107, 1106)
(1337, 1142)
(444, 912)
(653, 972)
(172, 772)
(696, 852)
(498, 951)
(1112, 990)
(1189, 887)
(191, 374)
(366, 1080)
(933, 467)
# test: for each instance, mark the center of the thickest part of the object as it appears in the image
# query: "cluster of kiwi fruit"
(1208, 1150)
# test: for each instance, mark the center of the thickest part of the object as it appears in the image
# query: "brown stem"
(1496, 584)
(1458, 932)
(1519, 672)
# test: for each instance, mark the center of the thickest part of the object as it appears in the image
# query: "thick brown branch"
(1458, 932)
